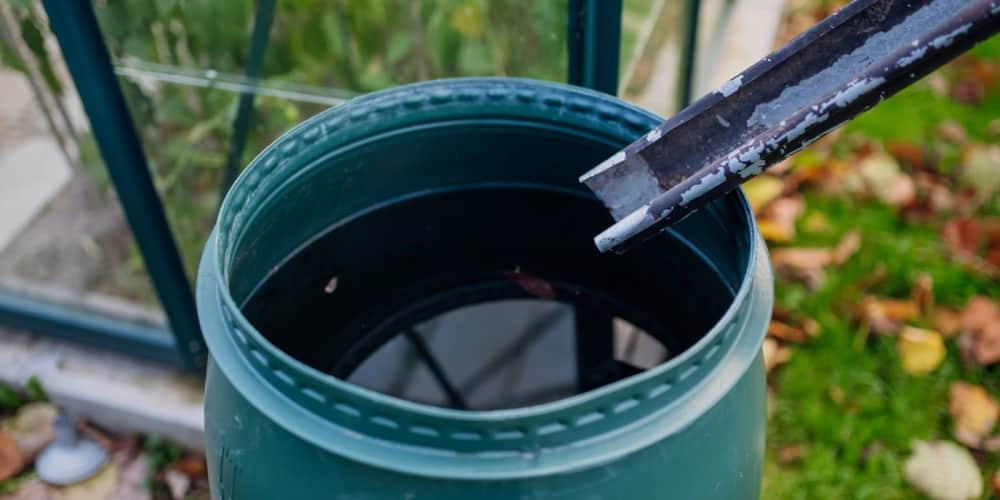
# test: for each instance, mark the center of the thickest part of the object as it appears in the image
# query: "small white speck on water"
(330, 285)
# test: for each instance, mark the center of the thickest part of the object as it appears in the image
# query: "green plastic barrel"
(403, 204)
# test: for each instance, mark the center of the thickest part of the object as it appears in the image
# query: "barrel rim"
(383, 420)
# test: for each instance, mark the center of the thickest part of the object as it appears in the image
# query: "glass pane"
(182, 69)
(652, 40)
(63, 236)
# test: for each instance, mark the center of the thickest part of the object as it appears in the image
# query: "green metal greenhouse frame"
(594, 30)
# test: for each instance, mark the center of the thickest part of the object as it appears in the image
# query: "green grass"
(843, 396)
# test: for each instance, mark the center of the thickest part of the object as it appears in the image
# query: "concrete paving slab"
(115, 391)
(31, 174)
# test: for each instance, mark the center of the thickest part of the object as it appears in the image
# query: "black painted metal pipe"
(843, 66)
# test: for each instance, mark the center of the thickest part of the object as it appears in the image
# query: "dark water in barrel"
(350, 293)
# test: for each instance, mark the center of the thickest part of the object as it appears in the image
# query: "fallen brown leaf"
(807, 264)
(979, 342)
(943, 471)
(32, 428)
(987, 348)
(786, 332)
(947, 321)
(981, 168)
(882, 177)
(920, 351)
(974, 412)
(937, 194)
(886, 316)
(848, 246)
(979, 313)
(969, 91)
(775, 354)
(922, 293)
(995, 484)
(963, 235)
(192, 465)
(777, 222)
(791, 453)
(952, 131)
(762, 190)
(11, 459)
(909, 153)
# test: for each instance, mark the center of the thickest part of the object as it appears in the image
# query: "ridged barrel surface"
(692, 427)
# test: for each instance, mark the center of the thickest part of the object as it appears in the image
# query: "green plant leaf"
(9, 58)
(9, 398)
(35, 390)
(33, 38)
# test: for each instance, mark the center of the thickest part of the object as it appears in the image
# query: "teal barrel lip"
(587, 430)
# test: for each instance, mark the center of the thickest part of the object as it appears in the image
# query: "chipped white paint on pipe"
(653, 135)
(631, 225)
(916, 55)
(704, 185)
(852, 93)
(946, 40)
(729, 88)
(803, 92)
(604, 165)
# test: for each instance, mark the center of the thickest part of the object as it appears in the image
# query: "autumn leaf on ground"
(965, 237)
(909, 153)
(11, 458)
(774, 354)
(979, 342)
(881, 176)
(952, 131)
(786, 332)
(777, 222)
(192, 465)
(920, 351)
(948, 322)
(886, 316)
(807, 264)
(943, 470)
(791, 453)
(922, 293)
(981, 168)
(762, 190)
(32, 428)
(974, 412)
